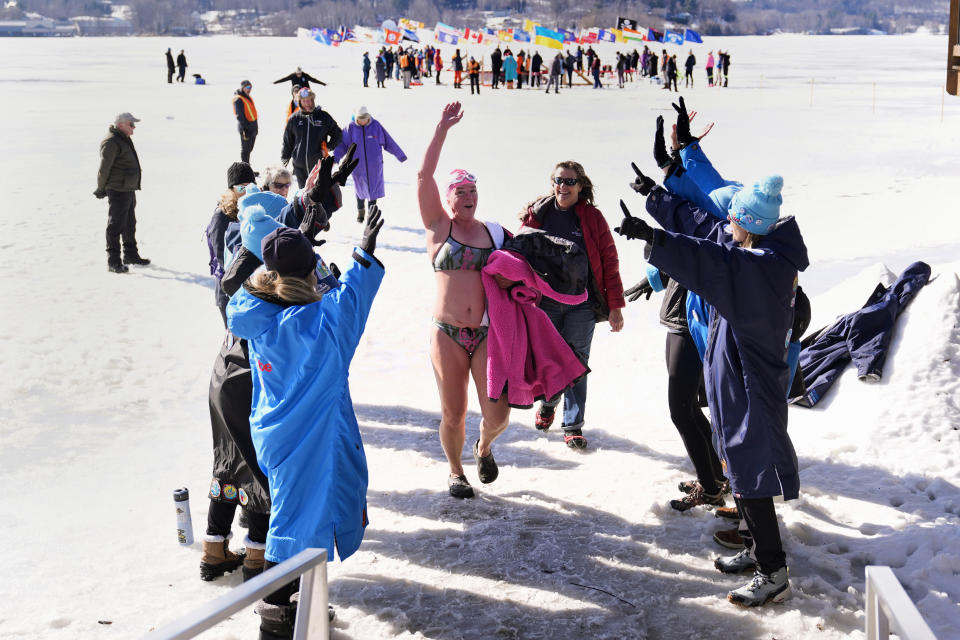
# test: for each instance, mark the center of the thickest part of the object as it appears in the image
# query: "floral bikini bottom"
(467, 337)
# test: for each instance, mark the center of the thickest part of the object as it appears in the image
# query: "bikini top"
(455, 256)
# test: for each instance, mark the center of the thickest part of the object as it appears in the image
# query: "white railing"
(312, 622)
(889, 606)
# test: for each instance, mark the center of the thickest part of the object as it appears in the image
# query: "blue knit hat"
(756, 208)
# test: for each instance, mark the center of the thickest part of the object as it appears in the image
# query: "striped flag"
(548, 38)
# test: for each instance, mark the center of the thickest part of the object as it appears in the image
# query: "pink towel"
(525, 354)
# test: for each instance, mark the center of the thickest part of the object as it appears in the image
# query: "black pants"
(169, 75)
(301, 174)
(370, 203)
(570, 78)
(282, 595)
(121, 223)
(685, 373)
(495, 79)
(247, 139)
(181, 73)
(763, 533)
(366, 77)
(220, 520)
(474, 82)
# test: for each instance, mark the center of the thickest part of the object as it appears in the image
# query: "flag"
(618, 35)
(606, 35)
(568, 36)
(589, 36)
(490, 34)
(410, 24)
(410, 34)
(626, 23)
(391, 37)
(548, 38)
(520, 36)
(505, 35)
(320, 36)
(348, 35)
(334, 36)
(530, 25)
(632, 34)
(445, 37)
(654, 36)
(692, 36)
(673, 37)
(473, 35)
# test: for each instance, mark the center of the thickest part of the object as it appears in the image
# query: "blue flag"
(673, 37)
(446, 37)
(692, 36)
(654, 36)
(320, 36)
(519, 35)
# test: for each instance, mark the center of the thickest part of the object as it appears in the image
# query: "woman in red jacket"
(570, 213)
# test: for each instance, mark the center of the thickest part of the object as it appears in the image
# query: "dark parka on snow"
(745, 370)
(371, 141)
(119, 163)
(305, 135)
(601, 251)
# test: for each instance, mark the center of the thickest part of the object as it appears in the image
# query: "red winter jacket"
(601, 251)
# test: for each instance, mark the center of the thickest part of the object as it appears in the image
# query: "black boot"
(116, 267)
(136, 259)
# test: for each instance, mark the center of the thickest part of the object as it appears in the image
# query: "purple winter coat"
(370, 141)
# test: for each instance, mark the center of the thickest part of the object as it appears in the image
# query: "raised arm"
(428, 193)
(283, 79)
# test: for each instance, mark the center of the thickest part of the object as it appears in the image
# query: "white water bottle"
(181, 499)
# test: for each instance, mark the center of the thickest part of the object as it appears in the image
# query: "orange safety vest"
(249, 110)
(474, 67)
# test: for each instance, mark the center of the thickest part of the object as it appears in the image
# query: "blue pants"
(575, 324)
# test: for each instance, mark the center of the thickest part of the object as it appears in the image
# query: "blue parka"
(745, 365)
(371, 140)
(304, 429)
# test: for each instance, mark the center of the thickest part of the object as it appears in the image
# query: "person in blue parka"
(371, 139)
(747, 271)
(302, 422)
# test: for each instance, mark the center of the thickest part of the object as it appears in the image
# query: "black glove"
(334, 269)
(369, 241)
(641, 288)
(634, 228)
(322, 186)
(315, 220)
(100, 194)
(684, 137)
(643, 184)
(284, 161)
(346, 167)
(660, 146)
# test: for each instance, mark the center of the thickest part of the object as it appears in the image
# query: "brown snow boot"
(217, 559)
(253, 562)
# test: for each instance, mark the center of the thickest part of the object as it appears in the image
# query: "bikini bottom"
(469, 338)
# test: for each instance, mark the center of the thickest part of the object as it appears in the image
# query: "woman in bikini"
(459, 245)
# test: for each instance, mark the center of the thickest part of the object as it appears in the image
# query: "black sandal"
(486, 466)
(459, 487)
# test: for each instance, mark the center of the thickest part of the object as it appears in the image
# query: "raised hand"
(315, 220)
(346, 166)
(634, 228)
(660, 147)
(451, 115)
(638, 290)
(642, 184)
(370, 231)
(318, 182)
(684, 136)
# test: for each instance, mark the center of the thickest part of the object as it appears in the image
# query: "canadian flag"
(473, 36)
(391, 37)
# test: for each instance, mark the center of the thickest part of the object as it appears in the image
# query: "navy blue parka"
(745, 368)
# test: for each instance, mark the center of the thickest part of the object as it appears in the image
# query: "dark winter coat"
(182, 61)
(119, 164)
(746, 374)
(366, 63)
(246, 112)
(169, 61)
(601, 251)
(302, 80)
(690, 63)
(305, 135)
(862, 337)
(560, 263)
(496, 60)
(381, 68)
(457, 63)
(652, 66)
(216, 232)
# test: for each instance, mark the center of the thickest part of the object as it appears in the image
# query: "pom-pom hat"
(756, 208)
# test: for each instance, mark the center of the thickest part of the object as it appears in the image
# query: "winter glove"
(640, 289)
(334, 269)
(660, 146)
(643, 184)
(314, 221)
(369, 241)
(284, 161)
(100, 194)
(634, 228)
(684, 137)
(323, 180)
(346, 167)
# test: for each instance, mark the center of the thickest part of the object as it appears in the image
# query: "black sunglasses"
(567, 181)
(281, 185)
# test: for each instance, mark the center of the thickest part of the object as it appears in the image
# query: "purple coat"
(371, 140)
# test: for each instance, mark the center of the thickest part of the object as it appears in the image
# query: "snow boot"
(739, 563)
(544, 418)
(217, 559)
(253, 562)
(689, 485)
(730, 513)
(116, 267)
(574, 439)
(696, 498)
(276, 621)
(360, 214)
(729, 538)
(764, 588)
(136, 259)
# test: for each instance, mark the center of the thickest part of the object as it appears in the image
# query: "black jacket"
(305, 134)
(673, 309)
(560, 263)
(182, 61)
(302, 80)
(496, 59)
(169, 61)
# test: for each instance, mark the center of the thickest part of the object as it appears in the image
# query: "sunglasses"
(567, 181)
(282, 185)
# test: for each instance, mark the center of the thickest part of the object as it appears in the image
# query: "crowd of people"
(510, 70)
(515, 311)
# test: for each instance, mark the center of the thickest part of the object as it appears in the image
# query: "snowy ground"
(104, 383)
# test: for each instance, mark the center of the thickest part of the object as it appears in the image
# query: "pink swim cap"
(459, 177)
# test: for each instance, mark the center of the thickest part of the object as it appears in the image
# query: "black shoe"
(574, 439)
(135, 259)
(696, 498)
(117, 268)
(360, 215)
(486, 466)
(459, 487)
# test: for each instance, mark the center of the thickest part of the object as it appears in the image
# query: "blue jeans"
(575, 324)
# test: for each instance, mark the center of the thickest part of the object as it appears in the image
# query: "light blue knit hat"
(258, 212)
(756, 208)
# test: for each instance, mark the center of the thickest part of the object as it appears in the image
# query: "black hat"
(288, 252)
(240, 173)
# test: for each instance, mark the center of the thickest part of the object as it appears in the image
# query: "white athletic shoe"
(764, 588)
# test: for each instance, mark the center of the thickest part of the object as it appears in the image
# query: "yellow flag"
(530, 25)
